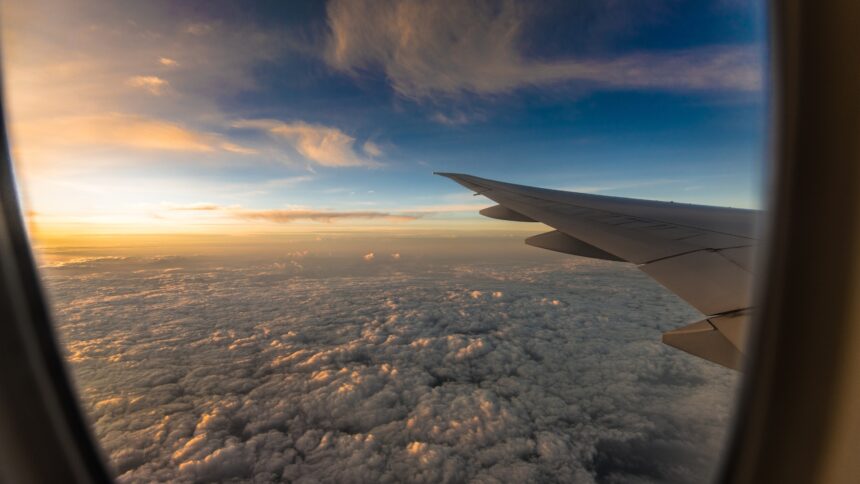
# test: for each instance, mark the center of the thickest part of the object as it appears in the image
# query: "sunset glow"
(255, 276)
(126, 116)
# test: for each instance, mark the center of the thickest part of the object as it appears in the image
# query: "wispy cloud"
(372, 149)
(75, 81)
(286, 182)
(287, 216)
(124, 130)
(323, 145)
(284, 216)
(198, 28)
(152, 84)
(195, 207)
(620, 185)
(444, 48)
(242, 150)
(116, 129)
(453, 119)
(448, 208)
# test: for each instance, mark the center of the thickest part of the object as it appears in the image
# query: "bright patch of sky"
(143, 113)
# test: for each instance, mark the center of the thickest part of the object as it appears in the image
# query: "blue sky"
(212, 112)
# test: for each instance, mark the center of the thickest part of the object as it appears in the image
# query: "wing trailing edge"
(719, 339)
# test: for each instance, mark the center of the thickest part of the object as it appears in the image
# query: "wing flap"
(707, 280)
(561, 242)
(734, 327)
(503, 213)
(702, 339)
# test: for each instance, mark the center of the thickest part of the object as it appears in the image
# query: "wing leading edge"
(701, 253)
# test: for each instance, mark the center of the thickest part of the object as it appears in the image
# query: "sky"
(224, 117)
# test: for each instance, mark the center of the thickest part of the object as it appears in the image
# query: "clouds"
(196, 207)
(287, 216)
(435, 48)
(371, 149)
(235, 368)
(284, 216)
(173, 100)
(323, 145)
(152, 84)
(116, 129)
(98, 132)
(198, 28)
(156, 83)
(108, 89)
(76, 62)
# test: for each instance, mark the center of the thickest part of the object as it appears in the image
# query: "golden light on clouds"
(440, 48)
(116, 109)
(288, 216)
(116, 129)
(321, 144)
(291, 215)
(89, 101)
(152, 84)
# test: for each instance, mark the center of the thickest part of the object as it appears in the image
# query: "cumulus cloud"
(238, 368)
(152, 84)
(436, 47)
(320, 144)
(167, 62)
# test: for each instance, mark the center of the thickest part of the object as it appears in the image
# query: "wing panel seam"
(698, 250)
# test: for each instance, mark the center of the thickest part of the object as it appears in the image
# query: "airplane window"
(255, 274)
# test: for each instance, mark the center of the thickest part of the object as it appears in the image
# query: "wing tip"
(448, 174)
(463, 179)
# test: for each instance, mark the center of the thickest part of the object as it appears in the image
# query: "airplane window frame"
(797, 418)
(44, 436)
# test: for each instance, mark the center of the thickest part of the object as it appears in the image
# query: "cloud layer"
(386, 369)
(436, 47)
(286, 216)
(292, 215)
(116, 129)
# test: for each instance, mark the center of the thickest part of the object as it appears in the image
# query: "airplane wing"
(701, 253)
